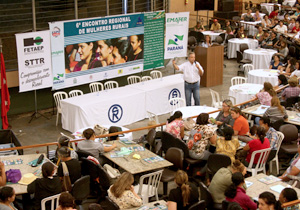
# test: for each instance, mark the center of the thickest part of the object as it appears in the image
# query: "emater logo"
(56, 31)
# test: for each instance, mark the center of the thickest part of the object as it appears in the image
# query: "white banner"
(177, 26)
(34, 60)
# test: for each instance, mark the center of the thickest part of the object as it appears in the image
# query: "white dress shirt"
(282, 29)
(190, 71)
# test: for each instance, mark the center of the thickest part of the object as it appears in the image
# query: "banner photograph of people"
(101, 53)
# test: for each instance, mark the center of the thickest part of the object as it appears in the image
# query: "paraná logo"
(58, 77)
(176, 39)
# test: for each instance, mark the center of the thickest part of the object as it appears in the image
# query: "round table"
(190, 111)
(78, 134)
(269, 6)
(259, 76)
(234, 45)
(244, 92)
(212, 34)
(250, 26)
(289, 2)
(260, 58)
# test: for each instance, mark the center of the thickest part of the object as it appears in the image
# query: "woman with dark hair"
(267, 201)
(240, 126)
(44, 187)
(123, 194)
(207, 42)
(266, 94)
(175, 125)
(185, 195)
(86, 51)
(282, 80)
(256, 144)
(276, 63)
(104, 52)
(290, 67)
(120, 51)
(136, 52)
(227, 145)
(66, 202)
(7, 197)
(236, 193)
(293, 169)
(241, 33)
(287, 195)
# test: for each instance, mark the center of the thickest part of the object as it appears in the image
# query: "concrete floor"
(42, 130)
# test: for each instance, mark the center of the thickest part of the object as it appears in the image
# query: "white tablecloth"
(244, 92)
(260, 76)
(289, 2)
(234, 45)
(250, 26)
(212, 34)
(190, 111)
(261, 58)
(78, 134)
(269, 6)
(261, 14)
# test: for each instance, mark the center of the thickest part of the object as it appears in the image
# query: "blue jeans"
(189, 89)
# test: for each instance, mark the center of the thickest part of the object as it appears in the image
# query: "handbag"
(100, 130)
(13, 175)
(66, 182)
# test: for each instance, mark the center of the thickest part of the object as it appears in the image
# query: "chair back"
(243, 47)
(156, 74)
(83, 154)
(222, 35)
(168, 141)
(277, 124)
(110, 204)
(75, 93)
(225, 204)
(151, 139)
(53, 201)
(229, 36)
(261, 163)
(290, 133)
(231, 98)
(175, 103)
(81, 188)
(96, 87)
(217, 161)
(215, 99)
(58, 96)
(291, 101)
(238, 80)
(192, 41)
(247, 68)
(239, 56)
(205, 195)
(152, 117)
(201, 37)
(146, 78)
(175, 156)
(133, 79)
(110, 85)
(219, 39)
(292, 51)
(151, 182)
(200, 205)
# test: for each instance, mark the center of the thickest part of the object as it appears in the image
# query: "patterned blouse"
(174, 128)
(208, 132)
(227, 147)
(127, 200)
(264, 98)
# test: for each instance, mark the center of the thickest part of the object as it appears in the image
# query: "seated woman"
(185, 195)
(248, 16)
(64, 141)
(266, 22)
(113, 129)
(293, 169)
(240, 126)
(276, 111)
(257, 16)
(266, 94)
(222, 179)
(123, 194)
(291, 25)
(241, 33)
(175, 125)
(256, 144)
(260, 34)
(224, 116)
(7, 197)
(199, 27)
(66, 202)
(267, 201)
(287, 195)
(236, 193)
(292, 91)
(227, 145)
(291, 65)
(276, 63)
(282, 81)
(207, 42)
(44, 187)
(228, 28)
(296, 72)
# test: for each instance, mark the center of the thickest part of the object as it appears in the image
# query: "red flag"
(5, 102)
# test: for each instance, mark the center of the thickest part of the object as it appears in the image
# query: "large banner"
(89, 50)
(177, 26)
(34, 60)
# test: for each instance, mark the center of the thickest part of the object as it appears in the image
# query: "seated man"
(73, 165)
(215, 26)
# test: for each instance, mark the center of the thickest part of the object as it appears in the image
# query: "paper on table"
(248, 184)
(273, 71)
(277, 188)
(260, 110)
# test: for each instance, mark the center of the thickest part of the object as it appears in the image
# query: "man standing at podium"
(192, 71)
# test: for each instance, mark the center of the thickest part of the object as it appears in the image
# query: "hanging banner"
(177, 26)
(34, 60)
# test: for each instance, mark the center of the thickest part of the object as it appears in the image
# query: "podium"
(211, 59)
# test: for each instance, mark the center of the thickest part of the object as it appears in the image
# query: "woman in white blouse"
(207, 42)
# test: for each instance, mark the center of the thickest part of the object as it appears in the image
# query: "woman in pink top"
(175, 125)
(266, 94)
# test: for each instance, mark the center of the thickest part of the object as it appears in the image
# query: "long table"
(292, 114)
(135, 166)
(151, 205)
(123, 105)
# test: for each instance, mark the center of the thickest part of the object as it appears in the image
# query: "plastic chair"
(200, 205)
(58, 96)
(156, 74)
(275, 159)
(231, 98)
(75, 93)
(133, 79)
(176, 103)
(96, 87)
(150, 189)
(81, 189)
(238, 80)
(54, 202)
(261, 163)
(247, 68)
(217, 161)
(215, 97)
(146, 78)
(110, 85)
